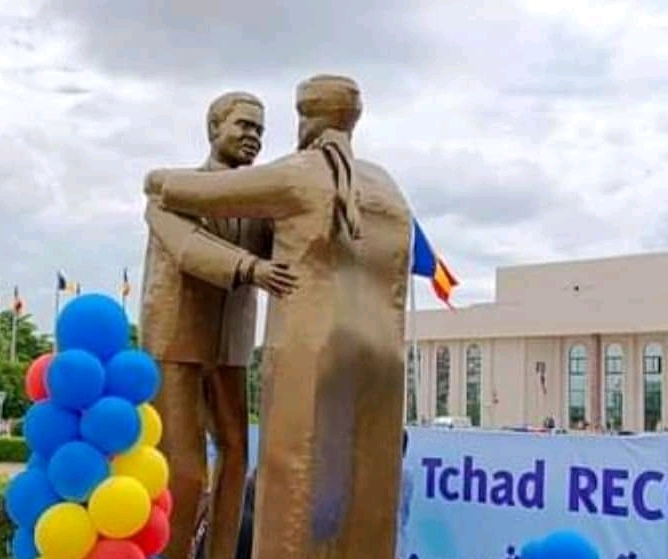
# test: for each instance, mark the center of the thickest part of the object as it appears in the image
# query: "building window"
(577, 386)
(652, 385)
(473, 383)
(614, 387)
(442, 380)
(411, 386)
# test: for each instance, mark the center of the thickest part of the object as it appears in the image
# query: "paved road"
(10, 468)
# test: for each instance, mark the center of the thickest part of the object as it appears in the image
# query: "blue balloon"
(23, 545)
(47, 427)
(532, 550)
(112, 425)
(94, 323)
(75, 379)
(566, 543)
(133, 375)
(28, 495)
(36, 461)
(76, 469)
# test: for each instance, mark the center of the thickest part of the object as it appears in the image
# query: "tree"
(12, 383)
(29, 345)
(29, 342)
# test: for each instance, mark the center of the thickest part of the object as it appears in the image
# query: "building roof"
(627, 294)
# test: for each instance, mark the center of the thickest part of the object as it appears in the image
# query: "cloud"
(519, 131)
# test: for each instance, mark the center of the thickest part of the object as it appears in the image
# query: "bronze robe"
(317, 343)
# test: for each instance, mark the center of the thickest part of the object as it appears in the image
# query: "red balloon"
(35, 380)
(165, 501)
(116, 549)
(154, 536)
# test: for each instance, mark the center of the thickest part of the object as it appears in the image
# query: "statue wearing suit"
(198, 320)
(323, 338)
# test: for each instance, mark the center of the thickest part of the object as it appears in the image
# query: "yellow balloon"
(119, 507)
(147, 465)
(66, 531)
(151, 425)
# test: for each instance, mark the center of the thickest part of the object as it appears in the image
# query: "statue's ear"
(212, 128)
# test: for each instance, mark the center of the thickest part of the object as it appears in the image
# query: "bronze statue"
(198, 320)
(384, 258)
(330, 343)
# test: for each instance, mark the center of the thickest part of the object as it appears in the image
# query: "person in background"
(404, 504)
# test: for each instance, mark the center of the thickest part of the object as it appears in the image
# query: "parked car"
(452, 422)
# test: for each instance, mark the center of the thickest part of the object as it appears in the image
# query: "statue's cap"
(329, 95)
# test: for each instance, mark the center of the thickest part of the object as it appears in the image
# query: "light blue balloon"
(36, 461)
(134, 375)
(75, 379)
(47, 427)
(532, 550)
(23, 544)
(28, 495)
(568, 543)
(76, 469)
(94, 323)
(112, 425)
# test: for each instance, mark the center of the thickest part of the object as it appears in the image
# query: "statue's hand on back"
(274, 277)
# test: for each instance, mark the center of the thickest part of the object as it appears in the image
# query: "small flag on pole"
(125, 285)
(17, 303)
(66, 286)
(427, 264)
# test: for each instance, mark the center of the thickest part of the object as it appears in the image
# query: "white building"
(579, 341)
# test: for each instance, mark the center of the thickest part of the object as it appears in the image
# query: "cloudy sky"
(521, 131)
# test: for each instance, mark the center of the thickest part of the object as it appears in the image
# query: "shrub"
(13, 449)
(6, 526)
(17, 428)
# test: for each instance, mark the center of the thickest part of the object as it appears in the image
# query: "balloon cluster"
(558, 545)
(95, 486)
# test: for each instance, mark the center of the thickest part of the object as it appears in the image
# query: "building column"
(632, 419)
(426, 382)
(560, 401)
(596, 394)
(457, 376)
(488, 384)
(664, 384)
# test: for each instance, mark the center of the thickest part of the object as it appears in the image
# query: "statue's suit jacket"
(190, 311)
(316, 344)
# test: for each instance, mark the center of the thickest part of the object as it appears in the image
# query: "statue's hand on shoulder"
(154, 181)
(275, 278)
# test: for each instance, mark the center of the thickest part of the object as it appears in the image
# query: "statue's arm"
(154, 180)
(263, 191)
(196, 251)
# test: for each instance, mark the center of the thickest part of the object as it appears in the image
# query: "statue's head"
(327, 102)
(235, 124)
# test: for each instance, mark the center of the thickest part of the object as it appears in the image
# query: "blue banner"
(483, 494)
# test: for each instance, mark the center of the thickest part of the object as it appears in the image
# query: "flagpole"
(12, 347)
(124, 289)
(56, 312)
(414, 347)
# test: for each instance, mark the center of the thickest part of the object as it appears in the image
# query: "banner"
(483, 494)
